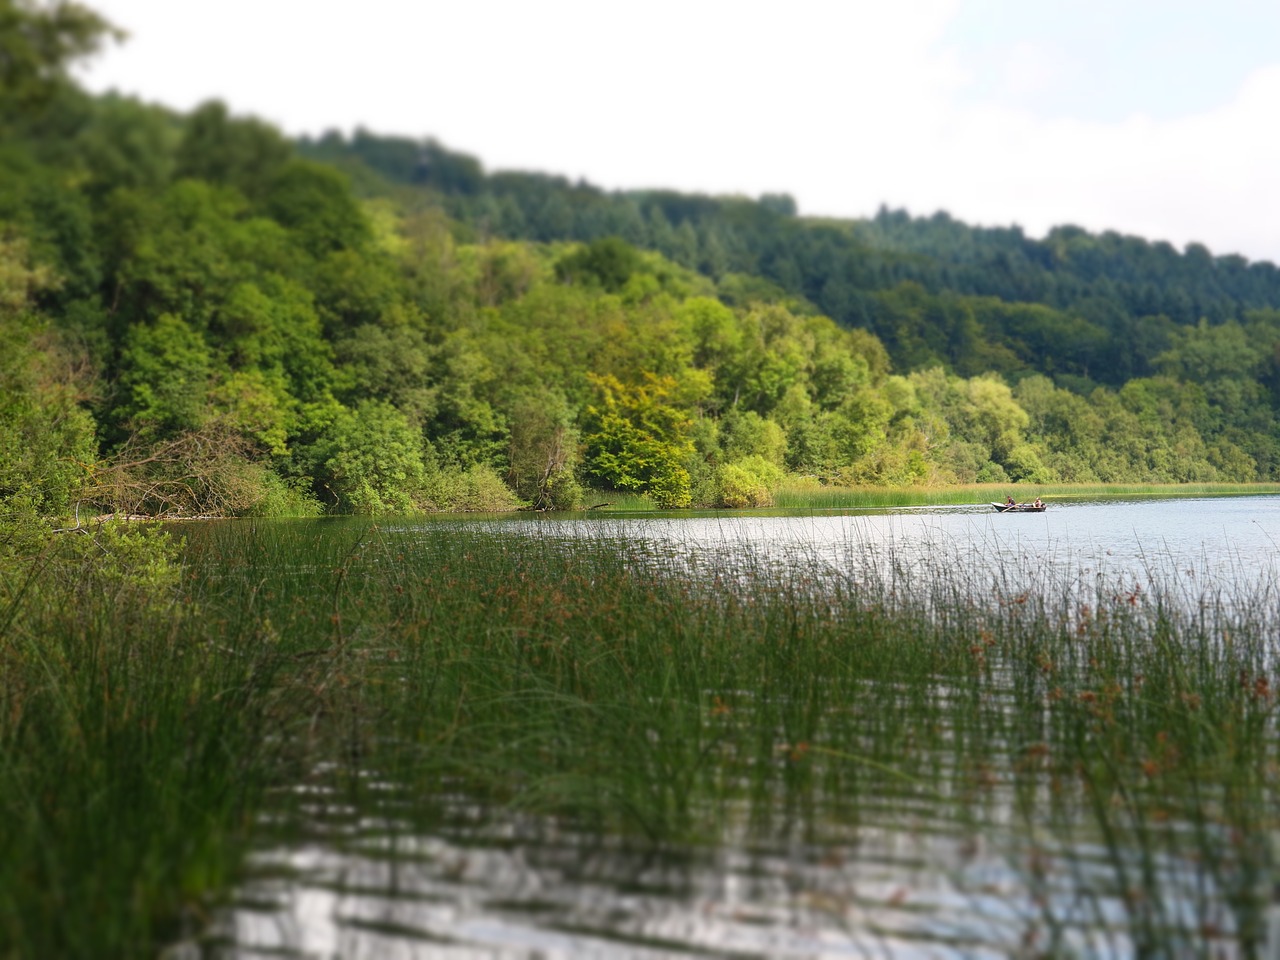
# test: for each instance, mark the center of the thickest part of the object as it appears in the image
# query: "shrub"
(672, 489)
(370, 460)
(991, 472)
(477, 490)
(1024, 464)
(749, 482)
(562, 492)
(284, 498)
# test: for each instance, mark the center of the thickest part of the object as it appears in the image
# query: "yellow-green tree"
(636, 440)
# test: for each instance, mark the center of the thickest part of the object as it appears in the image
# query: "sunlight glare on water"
(1220, 541)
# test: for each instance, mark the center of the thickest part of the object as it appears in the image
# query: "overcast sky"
(1159, 118)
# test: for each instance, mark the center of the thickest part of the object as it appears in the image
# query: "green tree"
(716, 332)
(46, 436)
(391, 362)
(127, 145)
(1203, 353)
(1155, 427)
(168, 372)
(1065, 425)
(748, 482)
(744, 433)
(315, 204)
(187, 249)
(468, 427)
(270, 324)
(369, 459)
(608, 263)
(245, 153)
(635, 440)
(39, 43)
(543, 450)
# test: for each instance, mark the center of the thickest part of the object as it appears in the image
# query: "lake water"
(358, 878)
(1208, 551)
(1223, 540)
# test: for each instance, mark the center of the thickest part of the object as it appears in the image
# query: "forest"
(202, 317)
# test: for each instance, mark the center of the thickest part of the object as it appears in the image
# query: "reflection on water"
(908, 887)
(438, 898)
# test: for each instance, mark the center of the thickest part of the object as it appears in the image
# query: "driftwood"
(204, 473)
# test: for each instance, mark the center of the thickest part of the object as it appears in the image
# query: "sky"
(1155, 118)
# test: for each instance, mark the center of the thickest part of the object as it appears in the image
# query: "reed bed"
(1117, 741)
(813, 496)
(131, 751)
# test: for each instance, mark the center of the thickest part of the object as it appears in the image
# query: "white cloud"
(844, 105)
(1204, 177)
(1030, 69)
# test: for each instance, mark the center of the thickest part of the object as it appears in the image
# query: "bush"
(607, 263)
(1024, 464)
(284, 498)
(672, 489)
(370, 460)
(991, 472)
(477, 490)
(46, 439)
(747, 434)
(135, 565)
(749, 482)
(562, 492)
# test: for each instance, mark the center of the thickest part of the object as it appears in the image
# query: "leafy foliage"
(204, 317)
(635, 439)
(368, 460)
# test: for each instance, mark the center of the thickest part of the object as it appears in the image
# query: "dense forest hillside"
(201, 316)
(1114, 300)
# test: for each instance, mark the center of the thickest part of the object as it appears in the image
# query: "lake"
(924, 813)
(1223, 540)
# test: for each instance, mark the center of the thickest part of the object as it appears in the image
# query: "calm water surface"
(1194, 547)
(358, 879)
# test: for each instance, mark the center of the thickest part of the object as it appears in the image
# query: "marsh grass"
(617, 501)
(140, 718)
(818, 497)
(1109, 740)
(613, 684)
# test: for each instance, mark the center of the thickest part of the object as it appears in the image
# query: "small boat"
(1018, 508)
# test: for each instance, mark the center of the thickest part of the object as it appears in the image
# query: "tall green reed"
(598, 679)
(659, 695)
(144, 709)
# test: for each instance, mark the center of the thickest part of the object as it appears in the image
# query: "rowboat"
(1018, 508)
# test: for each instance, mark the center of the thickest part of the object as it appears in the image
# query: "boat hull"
(1018, 508)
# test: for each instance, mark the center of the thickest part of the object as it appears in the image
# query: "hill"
(200, 316)
(916, 282)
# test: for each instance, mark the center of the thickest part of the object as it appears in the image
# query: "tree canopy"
(200, 315)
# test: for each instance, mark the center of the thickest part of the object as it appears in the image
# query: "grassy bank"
(659, 698)
(796, 494)
(817, 497)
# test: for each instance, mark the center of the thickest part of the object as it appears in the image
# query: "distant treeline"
(198, 315)
(925, 286)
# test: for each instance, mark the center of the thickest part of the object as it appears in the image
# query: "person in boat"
(1009, 502)
(1039, 505)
